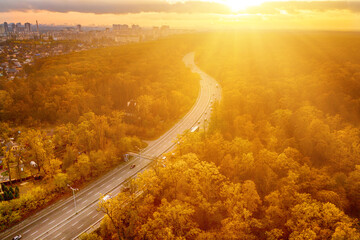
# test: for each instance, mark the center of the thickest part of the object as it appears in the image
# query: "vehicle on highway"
(194, 129)
(132, 166)
(106, 197)
(17, 237)
(89, 203)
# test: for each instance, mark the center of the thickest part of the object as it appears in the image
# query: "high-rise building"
(78, 28)
(12, 27)
(18, 27)
(6, 26)
(120, 27)
(27, 27)
(2, 29)
(135, 27)
(37, 27)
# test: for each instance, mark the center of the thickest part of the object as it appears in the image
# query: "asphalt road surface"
(62, 221)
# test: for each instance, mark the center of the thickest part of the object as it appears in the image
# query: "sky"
(189, 14)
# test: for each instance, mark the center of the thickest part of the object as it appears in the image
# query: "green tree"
(17, 192)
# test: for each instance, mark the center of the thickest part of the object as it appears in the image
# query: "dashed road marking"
(69, 211)
(33, 233)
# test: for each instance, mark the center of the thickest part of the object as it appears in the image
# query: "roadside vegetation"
(147, 81)
(75, 116)
(281, 158)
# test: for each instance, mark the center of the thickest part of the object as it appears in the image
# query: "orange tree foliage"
(292, 101)
(281, 157)
(73, 154)
(84, 124)
(184, 197)
(151, 76)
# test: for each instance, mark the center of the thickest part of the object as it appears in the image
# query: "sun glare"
(237, 5)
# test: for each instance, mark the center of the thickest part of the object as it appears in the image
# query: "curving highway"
(60, 221)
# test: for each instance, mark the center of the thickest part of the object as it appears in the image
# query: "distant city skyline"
(7, 25)
(211, 14)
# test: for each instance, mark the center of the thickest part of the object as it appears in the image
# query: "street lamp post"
(139, 153)
(73, 191)
(205, 121)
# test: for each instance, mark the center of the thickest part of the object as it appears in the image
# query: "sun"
(237, 5)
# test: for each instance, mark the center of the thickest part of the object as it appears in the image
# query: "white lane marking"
(94, 216)
(85, 201)
(63, 238)
(88, 213)
(74, 224)
(69, 211)
(58, 234)
(33, 233)
(65, 207)
(52, 222)
(26, 231)
(80, 226)
(45, 220)
(90, 192)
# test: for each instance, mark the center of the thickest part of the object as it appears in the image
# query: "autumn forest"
(280, 158)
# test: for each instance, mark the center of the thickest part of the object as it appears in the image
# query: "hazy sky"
(337, 15)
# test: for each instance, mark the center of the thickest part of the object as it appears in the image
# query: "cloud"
(297, 6)
(101, 7)
(189, 6)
